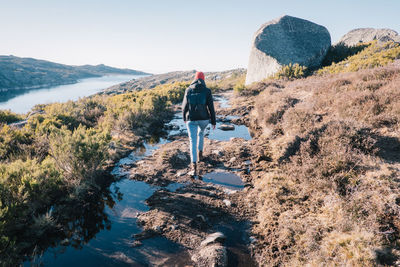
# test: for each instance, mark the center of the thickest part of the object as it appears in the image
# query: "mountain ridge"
(29, 73)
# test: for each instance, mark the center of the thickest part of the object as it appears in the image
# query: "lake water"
(24, 100)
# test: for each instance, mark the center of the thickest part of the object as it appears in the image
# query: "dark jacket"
(198, 103)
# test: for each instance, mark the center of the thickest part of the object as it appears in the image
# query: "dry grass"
(331, 197)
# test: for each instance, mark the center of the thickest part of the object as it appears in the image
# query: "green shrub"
(226, 82)
(13, 142)
(290, 72)
(374, 55)
(341, 52)
(60, 156)
(27, 189)
(239, 86)
(8, 117)
(80, 154)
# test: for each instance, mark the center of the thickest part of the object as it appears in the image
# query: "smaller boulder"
(216, 237)
(365, 35)
(211, 252)
(226, 127)
(214, 255)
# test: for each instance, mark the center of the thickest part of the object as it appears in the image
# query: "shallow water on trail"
(114, 246)
(241, 131)
(225, 179)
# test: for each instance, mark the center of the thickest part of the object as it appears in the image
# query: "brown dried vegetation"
(330, 197)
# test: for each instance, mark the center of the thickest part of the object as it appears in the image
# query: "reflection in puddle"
(226, 179)
(223, 102)
(114, 246)
(174, 186)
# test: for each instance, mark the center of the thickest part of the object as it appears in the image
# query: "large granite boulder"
(283, 41)
(365, 35)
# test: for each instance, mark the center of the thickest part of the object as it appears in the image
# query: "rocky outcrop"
(283, 41)
(365, 35)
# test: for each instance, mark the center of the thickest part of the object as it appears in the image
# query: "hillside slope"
(25, 73)
(326, 181)
(214, 79)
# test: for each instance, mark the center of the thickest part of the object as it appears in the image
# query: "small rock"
(216, 237)
(217, 152)
(173, 227)
(232, 160)
(136, 244)
(252, 239)
(175, 127)
(157, 229)
(180, 173)
(65, 242)
(181, 157)
(228, 203)
(229, 191)
(226, 127)
(201, 217)
(247, 162)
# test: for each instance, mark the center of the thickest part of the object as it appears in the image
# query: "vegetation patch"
(7, 116)
(370, 55)
(328, 193)
(55, 167)
(290, 72)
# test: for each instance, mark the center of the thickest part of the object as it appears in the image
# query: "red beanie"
(199, 75)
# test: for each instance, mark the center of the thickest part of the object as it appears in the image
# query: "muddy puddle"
(225, 179)
(114, 245)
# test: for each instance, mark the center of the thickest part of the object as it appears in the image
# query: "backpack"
(197, 101)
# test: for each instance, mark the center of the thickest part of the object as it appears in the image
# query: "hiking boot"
(193, 172)
(200, 156)
(194, 167)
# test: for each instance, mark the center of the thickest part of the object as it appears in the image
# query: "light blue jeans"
(196, 129)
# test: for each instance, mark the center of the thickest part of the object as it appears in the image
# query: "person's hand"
(213, 127)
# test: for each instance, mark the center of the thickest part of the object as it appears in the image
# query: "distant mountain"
(28, 73)
(152, 81)
(104, 70)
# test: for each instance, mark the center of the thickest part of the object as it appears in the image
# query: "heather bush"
(329, 196)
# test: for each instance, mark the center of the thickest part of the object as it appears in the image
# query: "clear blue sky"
(167, 35)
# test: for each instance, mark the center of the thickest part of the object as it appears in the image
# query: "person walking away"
(198, 110)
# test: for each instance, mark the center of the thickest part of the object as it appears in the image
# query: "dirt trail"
(198, 208)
